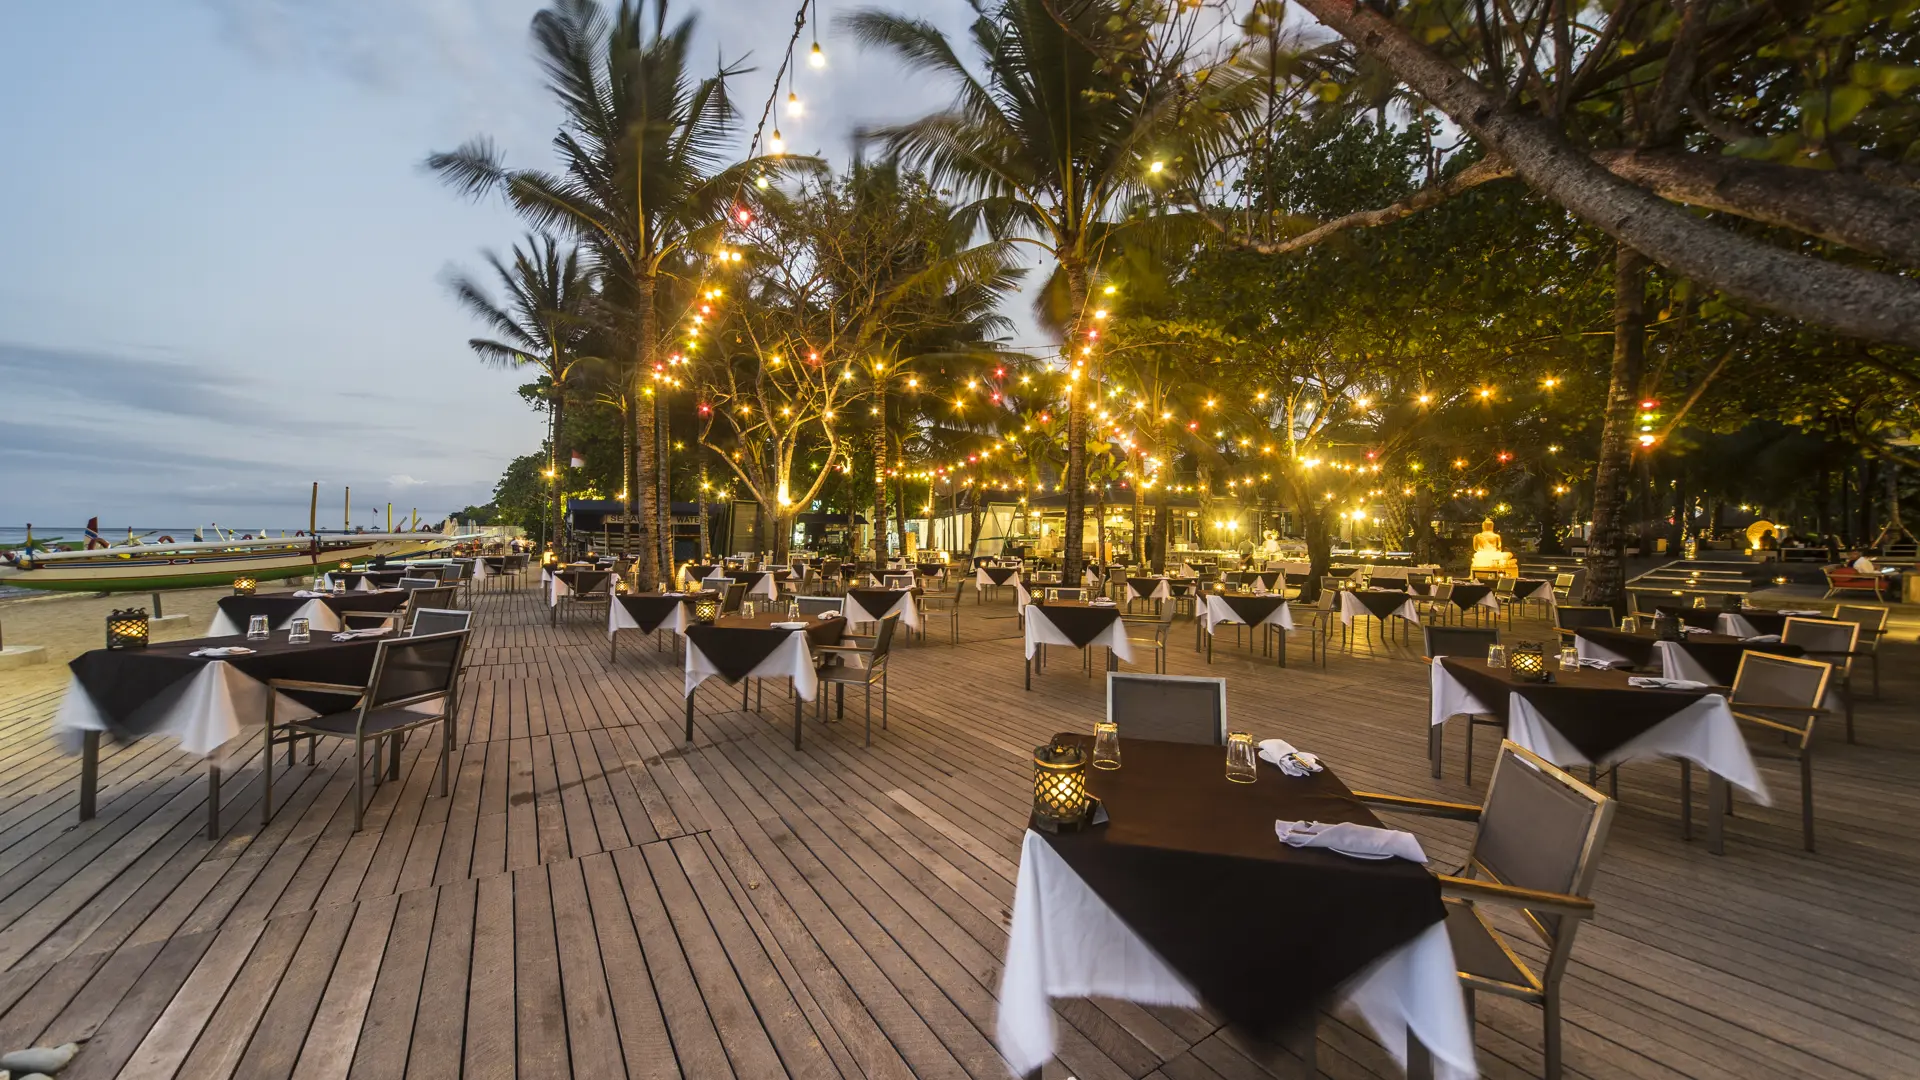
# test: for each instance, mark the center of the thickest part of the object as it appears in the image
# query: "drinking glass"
(666, 586)
(1106, 744)
(1630, 623)
(297, 632)
(257, 628)
(1240, 758)
(1569, 659)
(793, 609)
(748, 608)
(1496, 656)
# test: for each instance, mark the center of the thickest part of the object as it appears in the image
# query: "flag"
(577, 460)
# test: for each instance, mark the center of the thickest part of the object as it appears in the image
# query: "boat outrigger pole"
(346, 524)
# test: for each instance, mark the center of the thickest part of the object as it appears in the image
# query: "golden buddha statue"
(1489, 552)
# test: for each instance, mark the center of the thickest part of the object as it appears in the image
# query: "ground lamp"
(1060, 799)
(127, 629)
(243, 586)
(1527, 661)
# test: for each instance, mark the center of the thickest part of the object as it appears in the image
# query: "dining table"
(740, 648)
(649, 612)
(1701, 656)
(1598, 718)
(372, 580)
(1080, 624)
(1182, 894)
(870, 605)
(1249, 609)
(1380, 605)
(322, 610)
(204, 702)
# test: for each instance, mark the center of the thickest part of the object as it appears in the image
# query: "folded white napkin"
(1348, 838)
(1695, 630)
(1649, 682)
(1798, 611)
(1292, 762)
(1100, 602)
(226, 650)
(1597, 663)
(827, 615)
(309, 594)
(372, 631)
(1762, 637)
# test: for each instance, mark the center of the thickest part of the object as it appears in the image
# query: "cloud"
(172, 387)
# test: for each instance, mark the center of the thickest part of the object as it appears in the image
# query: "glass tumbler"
(1240, 758)
(748, 608)
(257, 628)
(1106, 744)
(1496, 656)
(298, 632)
(1569, 659)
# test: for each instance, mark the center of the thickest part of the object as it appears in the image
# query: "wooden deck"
(596, 899)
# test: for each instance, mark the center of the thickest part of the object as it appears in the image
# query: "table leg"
(690, 694)
(796, 718)
(89, 773)
(1717, 796)
(1686, 799)
(213, 801)
(1419, 1059)
(1026, 670)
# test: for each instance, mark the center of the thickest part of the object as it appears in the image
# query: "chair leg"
(1470, 726)
(213, 801)
(869, 713)
(1806, 800)
(1550, 1019)
(446, 753)
(359, 780)
(883, 699)
(266, 778)
(393, 756)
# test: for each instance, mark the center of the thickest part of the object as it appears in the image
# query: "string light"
(776, 145)
(816, 58)
(794, 108)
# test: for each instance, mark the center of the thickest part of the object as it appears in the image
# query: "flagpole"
(313, 511)
(347, 514)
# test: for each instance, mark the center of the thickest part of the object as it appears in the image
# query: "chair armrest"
(1577, 907)
(316, 687)
(852, 649)
(1459, 811)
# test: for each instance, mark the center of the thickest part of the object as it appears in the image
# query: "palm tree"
(541, 325)
(1078, 112)
(640, 183)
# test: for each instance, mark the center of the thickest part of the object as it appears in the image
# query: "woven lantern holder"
(1527, 661)
(127, 629)
(1060, 799)
(706, 608)
(244, 586)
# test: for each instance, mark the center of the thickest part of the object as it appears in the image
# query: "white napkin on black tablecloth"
(1761, 638)
(1799, 611)
(1599, 664)
(1695, 630)
(227, 650)
(1650, 682)
(1292, 762)
(1350, 838)
(309, 594)
(372, 631)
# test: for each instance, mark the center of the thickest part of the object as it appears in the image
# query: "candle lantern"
(243, 586)
(1732, 602)
(1060, 799)
(1527, 661)
(706, 607)
(1666, 626)
(127, 629)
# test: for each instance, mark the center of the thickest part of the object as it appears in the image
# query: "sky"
(223, 268)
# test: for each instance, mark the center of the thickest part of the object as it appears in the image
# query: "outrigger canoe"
(144, 567)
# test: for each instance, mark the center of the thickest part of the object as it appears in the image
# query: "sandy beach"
(68, 624)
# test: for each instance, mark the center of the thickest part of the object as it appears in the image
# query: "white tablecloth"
(1350, 606)
(1040, 631)
(1066, 942)
(1704, 733)
(205, 711)
(318, 615)
(902, 602)
(365, 584)
(1219, 611)
(557, 587)
(619, 618)
(1158, 592)
(792, 659)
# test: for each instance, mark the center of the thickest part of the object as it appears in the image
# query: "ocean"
(117, 534)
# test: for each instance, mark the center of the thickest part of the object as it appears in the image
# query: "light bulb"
(816, 58)
(793, 104)
(776, 145)
(1156, 166)
(761, 183)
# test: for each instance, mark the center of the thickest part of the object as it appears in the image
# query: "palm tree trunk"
(705, 546)
(663, 494)
(1076, 482)
(900, 515)
(1139, 506)
(976, 517)
(646, 484)
(555, 413)
(879, 442)
(626, 477)
(1606, 565)
(1162, 525)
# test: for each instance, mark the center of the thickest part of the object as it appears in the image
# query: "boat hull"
(138, 569)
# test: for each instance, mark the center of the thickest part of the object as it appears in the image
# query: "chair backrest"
(452, 571)
(1647, 603)
(1822, 637)
(730, 603)
(883, 638)
(592, 584)
(1781, 682)
(439, 596)
(1503, 587)
(1461, 641)
(429, 621)
(1871, 620)
(412, 669)
(1562, 582)
(814, 605)
(898, 581)
(1171, 708)
(516, 562)
(1575, 616)
(1443, 591)
(412, 583)
(1068, 593)
(1541, 829)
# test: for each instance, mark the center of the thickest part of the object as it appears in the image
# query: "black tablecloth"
(1380, 603)
(1704, 618)
(1000, 575)
(1252, 609)
(120, 681)
(279, 607)
(385, 579)
(929, 569)
(1264, 932)
(590, 581)
(1078, 620)
(1465, 596)
(700, 572)
(1775, 622)
(1269, 579)
(651, 609)
(1718, 654)
(737, 645)
(878, 601)
(1523, 587)
(1597, 711)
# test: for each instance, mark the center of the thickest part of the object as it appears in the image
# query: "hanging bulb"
(776, 145)
(816, 58)
(793, 103)
(761, 182)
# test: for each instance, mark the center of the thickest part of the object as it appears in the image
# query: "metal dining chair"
(1156, 629)
(412, 583)
(1780, 695)
(1464, 642)
(736, 593)
(430, 621)
(1065, 593)
(438, 596)
(943, 603)
(414, 684)
(858, 665)
(1536, 849)
(1572, 618)
(1170, 708)
(1873, 625)
(1831, 641)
